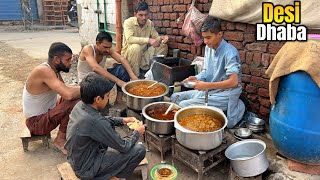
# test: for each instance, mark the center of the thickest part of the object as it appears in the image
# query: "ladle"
(152, 85)
(206, 99)
(169, 108)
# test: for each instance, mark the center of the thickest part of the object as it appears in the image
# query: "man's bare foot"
(59, 147)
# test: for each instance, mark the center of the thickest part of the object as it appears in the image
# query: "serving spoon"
(171, 105)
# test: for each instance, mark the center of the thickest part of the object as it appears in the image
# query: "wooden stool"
(66, 172)
(26, 137)
(143, 167)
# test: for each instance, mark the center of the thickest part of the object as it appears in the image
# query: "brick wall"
(255, 56)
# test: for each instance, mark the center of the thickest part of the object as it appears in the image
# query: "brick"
(255, 71)
(241, 26)
(271, 57)
(148, 1)
(155, 2)
(265, 59)
(242, 55)
(223, 26)
(181, 16)
(179, 8)
(166, 8)
(256, 59)
(254, 107)
(166, 23)
(249, 37)
(265, 102)
(245, 69)
(251, 89)
(274, 47)
(174, 1)
(257, 47)
(154, 9)
(198, 50)
(193, 49)
(230, 26)
(251, 28)
(252, 97)
(175, 31)
(264, 111)
(243, 85)
(249, 57)
(184, 47)
(157, 23)
(199, 7)
(166, 16)
(206, 8)
(180, 24)
(172, 38)
(246, 78)
(173, 16)
(183, 55)
(187, 40)
(187, 1)
(166, 1)
(263, 73)
(179, 38)
(237, 45)
(172, 45)
(169, 31)
(263, 92)
(190, 56)
(173, 24)
(261, 82)
(304, 168)
(160, 2)
(233, 36)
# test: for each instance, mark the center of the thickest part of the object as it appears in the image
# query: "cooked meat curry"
(142, 90)
(158, 113)
(201, 123)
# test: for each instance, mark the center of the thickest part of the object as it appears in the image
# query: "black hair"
(58, 49)
(92, 86)
(141, 6)
(211, 24)
(103, 36)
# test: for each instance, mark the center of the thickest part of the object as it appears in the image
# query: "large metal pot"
(159, 126)
(138, 102)
(199, 140)
(248, 157)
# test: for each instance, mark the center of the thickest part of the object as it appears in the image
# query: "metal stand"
(160, 142)
(200, 161)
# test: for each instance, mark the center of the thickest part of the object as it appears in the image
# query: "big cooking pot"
(159, 126)
(138, 102)
(199, 140)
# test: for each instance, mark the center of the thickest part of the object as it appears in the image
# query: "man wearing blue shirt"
(221, 75)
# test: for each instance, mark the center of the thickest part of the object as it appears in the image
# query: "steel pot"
(199, 140)
(138, 102)
(248, 157)
(159, 126)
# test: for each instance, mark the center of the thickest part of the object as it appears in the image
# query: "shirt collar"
(137, 24)
(221, 45)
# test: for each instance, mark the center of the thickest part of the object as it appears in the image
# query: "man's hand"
(134, 77)
(154, 42)
(165, 39)
(120, 83)
(129, 119)
(190, 78)
(140, 128)
(201, 86)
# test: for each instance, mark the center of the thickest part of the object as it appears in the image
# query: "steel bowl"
(199, 140)
(189, 84)
(248, 157)
(256, 121)
(243, 133)
(159, 126)
(138, 102)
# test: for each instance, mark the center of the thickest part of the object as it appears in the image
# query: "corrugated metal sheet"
(11, 10)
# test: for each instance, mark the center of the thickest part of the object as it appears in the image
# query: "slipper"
(59, 150)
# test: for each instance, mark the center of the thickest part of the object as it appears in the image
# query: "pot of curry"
(156, 120)
(200, 127)
(139, 95)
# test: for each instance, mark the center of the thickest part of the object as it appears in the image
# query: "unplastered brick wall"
(255, 56)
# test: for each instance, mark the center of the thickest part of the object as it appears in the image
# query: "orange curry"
(142, 90)
(201, 123)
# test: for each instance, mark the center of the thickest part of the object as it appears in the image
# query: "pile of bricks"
(55, 12)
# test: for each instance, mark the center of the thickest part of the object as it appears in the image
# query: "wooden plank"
(66, 171)
(143, 162)
(25, 132)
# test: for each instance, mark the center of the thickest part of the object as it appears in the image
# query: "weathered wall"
(255, 56)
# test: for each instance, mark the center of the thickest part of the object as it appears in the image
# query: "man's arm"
(231, 82)
(51, 80)
(124, 62)
(92, 62)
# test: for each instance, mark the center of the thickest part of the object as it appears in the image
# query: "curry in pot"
(159, 113)
(201, 123)
(142, 90)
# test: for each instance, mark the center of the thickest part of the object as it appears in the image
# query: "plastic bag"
(192, 24)
(198, 61)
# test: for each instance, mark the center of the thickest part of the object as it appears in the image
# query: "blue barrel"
(295, 118)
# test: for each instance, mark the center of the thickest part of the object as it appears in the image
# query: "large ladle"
(206, 98)
(171, 105)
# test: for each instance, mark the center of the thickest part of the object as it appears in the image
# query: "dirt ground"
(19, 53)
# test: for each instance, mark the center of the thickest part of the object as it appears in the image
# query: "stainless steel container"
(199, 140)
(248, 157)
(138, 102)
(159, 126)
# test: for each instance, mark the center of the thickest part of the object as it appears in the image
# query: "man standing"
(41, 109)
(93, 59)
(140, 39)
(221, 75)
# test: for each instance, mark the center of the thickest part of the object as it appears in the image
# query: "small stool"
(143, 167)
(26, 137)
(66, 171)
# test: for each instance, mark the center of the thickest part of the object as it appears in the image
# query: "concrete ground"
(20, 51)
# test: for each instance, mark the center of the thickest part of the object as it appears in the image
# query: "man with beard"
(93, 59)
(41, 108)
(141, 41)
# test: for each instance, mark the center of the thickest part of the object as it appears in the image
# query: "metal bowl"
(138, 102)
(199, 140)
(243, 133)
(189, 84)
(256, 121)
(159, 126)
